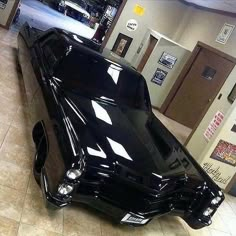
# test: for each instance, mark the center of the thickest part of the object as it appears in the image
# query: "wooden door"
(199, 88)
(151, 45)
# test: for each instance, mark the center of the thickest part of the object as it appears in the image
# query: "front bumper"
(49, 198)
(118, 214)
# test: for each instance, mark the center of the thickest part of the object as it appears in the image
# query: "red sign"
(213, 126)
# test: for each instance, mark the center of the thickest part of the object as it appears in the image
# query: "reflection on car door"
(36, 89)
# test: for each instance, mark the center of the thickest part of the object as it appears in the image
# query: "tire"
(39, 138)
(36, 173)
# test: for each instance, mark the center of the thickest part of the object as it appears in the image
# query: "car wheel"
(39, 137)
(38, 133)
(36, 172)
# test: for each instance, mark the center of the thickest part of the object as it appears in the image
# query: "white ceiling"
(223, 5)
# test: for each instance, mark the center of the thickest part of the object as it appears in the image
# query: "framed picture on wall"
(232, 95)
(159, 76)
(122, 45)
(167, 60)
(225, 33)
(225, 152)
(3, 4)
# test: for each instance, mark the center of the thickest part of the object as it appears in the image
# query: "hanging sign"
(131, 25)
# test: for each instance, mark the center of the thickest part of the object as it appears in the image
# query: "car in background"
(76, 9)
(97, 140)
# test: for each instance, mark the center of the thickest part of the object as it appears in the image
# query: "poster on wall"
(225, 33)
(167, 60)
(225, 152)
(159, 76)
(122, 45)
(213, 126)
(3, 4)
(139, 10)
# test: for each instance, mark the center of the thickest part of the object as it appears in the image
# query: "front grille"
(124, 195)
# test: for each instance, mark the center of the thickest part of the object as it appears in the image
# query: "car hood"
(111, 135)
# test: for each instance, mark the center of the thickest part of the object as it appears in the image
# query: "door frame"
(150, 38)
(11, 15)
(113, 24)
(182, 75)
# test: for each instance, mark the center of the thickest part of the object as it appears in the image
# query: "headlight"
(208, 211)
(65, 189)
(216, 200)
(73, 174)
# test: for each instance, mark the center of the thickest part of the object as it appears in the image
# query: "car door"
(48, 51)
(35, 64)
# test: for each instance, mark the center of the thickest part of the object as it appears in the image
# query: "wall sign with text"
(167, 60)
(213, 126)
(217, 174)
(159, 76)
(132, 25)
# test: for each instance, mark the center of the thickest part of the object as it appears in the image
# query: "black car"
(97, 140)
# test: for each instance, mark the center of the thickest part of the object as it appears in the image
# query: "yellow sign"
(139, 10)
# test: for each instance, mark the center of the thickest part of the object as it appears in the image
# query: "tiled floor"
(22, 211)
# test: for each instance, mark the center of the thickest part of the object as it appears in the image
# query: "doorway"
(81, 17)
(198, 85)
(151, 45)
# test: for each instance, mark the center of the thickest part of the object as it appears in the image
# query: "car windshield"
(95, 76)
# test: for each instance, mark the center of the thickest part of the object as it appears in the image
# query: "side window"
(53, 49)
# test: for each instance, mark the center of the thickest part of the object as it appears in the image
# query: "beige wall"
(204, 26)
(184, 24)
(160, 15)
(158, 93)
(4, 13)
(223, 172)
(198, 143)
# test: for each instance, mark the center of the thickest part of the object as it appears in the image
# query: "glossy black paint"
(94, 114)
